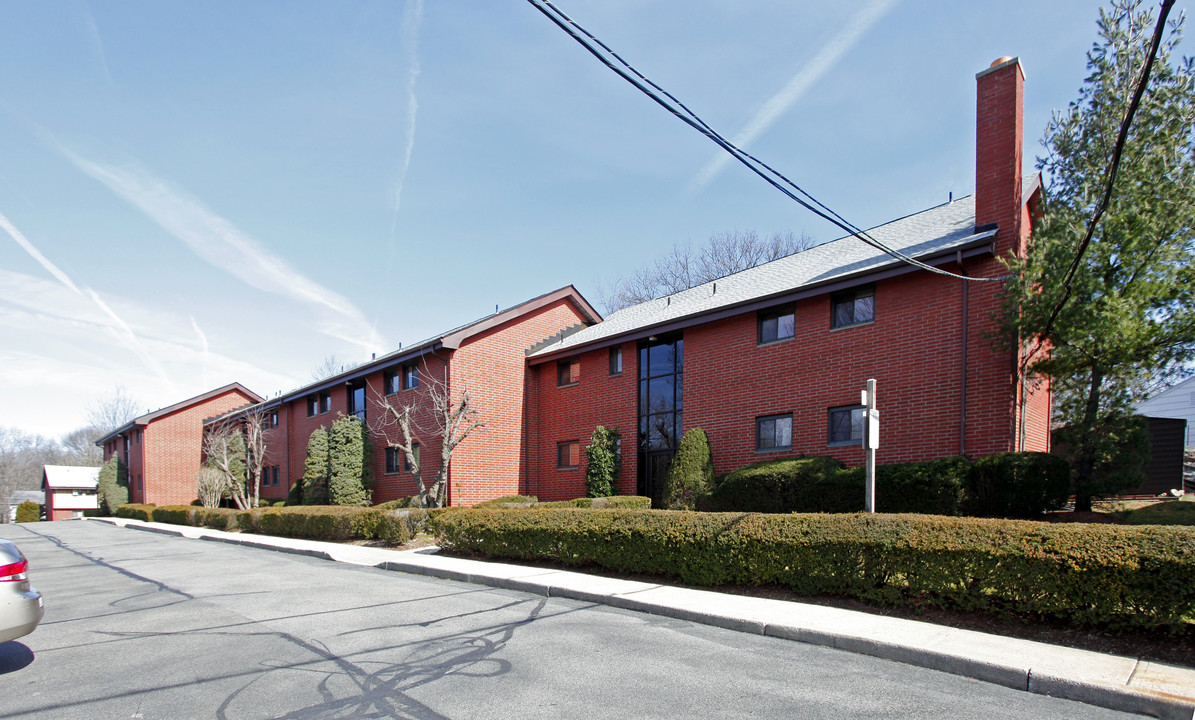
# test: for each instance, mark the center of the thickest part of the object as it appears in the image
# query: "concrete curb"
(760, 617)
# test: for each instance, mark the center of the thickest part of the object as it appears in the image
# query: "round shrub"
(28, 511)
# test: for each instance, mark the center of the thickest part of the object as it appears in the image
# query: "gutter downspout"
(962, 420)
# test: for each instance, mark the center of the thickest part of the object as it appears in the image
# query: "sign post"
(871, 441)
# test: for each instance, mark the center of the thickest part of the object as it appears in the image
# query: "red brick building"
(162, 449)
(769, 361)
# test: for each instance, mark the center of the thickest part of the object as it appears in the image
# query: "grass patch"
(1166, 512)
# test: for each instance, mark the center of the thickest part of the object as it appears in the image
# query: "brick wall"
(172, 450)
(492, 365)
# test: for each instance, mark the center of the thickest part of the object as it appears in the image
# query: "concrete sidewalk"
(1111, 681)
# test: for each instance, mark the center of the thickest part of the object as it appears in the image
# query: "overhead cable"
(773, 177)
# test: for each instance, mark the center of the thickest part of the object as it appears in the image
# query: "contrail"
(814, 70)
(409, 38)
(122, 331)
(226, 247)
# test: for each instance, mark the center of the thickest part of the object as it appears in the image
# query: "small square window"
(392, 380)
(568, 372)
(616, 361)
(392, 459)
(774, 432)
(852, 307)
(777, 324)
(568, 455)
(846, 425)
(410, 376)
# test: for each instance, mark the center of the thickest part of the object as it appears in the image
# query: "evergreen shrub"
(136, 511)
(601, 462)
(28, 511)
(692, 472)
(1017, 485)
(1084, 574)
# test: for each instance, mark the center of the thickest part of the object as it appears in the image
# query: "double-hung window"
(393, 462)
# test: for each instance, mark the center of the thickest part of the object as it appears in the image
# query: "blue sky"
(198, 193)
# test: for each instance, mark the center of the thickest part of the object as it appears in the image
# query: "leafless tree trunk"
(453, 419)
(257, 427)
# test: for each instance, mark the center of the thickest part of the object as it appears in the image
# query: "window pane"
(765, 433)
(844, 314)
(767, 330)
(865, 309)
(786, 326)
(784, 432)
(661, 360)
(661, 432)
(615, 361)
(642, 362)
(660, 394)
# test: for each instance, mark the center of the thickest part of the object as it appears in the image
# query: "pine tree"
(1130, 318)
(349, 468)
(113, 486)
(601, 462)
(315, 469)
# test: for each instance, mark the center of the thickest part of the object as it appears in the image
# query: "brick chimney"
(998, 151)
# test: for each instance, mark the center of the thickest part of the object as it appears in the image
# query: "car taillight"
(14, 572)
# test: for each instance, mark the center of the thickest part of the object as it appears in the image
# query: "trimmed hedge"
(1091, 575)
(810, 484)
(136, 511)
(509, 501)
(314, 522)
(611, 502)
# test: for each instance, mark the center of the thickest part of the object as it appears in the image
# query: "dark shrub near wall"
(1022, 485)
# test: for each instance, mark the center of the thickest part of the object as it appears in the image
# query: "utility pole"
(871, 441)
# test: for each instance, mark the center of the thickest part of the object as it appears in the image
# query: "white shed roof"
(66, 476)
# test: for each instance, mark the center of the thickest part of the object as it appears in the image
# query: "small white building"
(70, 490)
(1178, 402)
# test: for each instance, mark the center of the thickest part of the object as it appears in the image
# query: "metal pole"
(871, 440)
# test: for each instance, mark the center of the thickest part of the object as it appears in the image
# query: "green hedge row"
(1092, 575)
(313, 522)
(1004, 485)
(611, 502)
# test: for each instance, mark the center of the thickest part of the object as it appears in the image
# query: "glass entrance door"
(661, 394)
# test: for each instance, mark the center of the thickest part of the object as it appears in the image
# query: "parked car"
(20, 605)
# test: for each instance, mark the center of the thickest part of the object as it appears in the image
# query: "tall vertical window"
(661, 402)
(616, 360)
(568, 372)
(275, 471)
(410, 376)
(357, 399)
(568, 455)
(271, 419)
(853, 307)
(774, 432)
(778, 323)
(325, 401)
(846, 425)
(406, 461)
(393, 461)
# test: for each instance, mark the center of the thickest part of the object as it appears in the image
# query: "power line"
(770, 175)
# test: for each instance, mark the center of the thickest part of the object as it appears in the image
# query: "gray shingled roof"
(929, 232)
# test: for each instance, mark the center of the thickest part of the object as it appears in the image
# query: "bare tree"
(687, 266)
(112, 410)
(330, 366)
(224, 450)
(256, 426)
(80, 448)
(22, 456)
(434, 412)
(209, 486)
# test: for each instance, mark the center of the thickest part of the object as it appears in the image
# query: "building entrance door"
(655, 476)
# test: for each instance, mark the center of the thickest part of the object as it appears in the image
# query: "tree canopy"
(1129, 320)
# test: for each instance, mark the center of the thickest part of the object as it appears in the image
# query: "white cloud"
(224, 246)
(781, 102)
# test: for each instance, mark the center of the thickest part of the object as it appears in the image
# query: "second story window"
(568, 372)
(616, 361)
(391, 380)
(319, 403)
(777, 324)
(410, 376)
(853, 307)
(357, 399)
